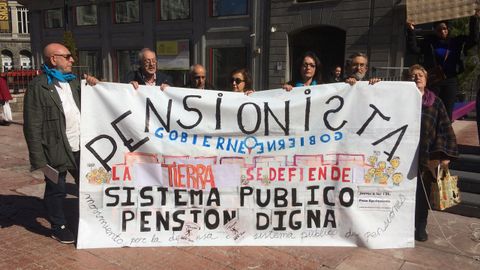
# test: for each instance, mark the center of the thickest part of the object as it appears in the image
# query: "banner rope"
(474, 226)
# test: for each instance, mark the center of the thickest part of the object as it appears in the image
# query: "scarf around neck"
(55, 74)
(314, 82)
(428, 98)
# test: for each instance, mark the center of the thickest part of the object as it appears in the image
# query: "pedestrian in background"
(336, 75)
(5, 97)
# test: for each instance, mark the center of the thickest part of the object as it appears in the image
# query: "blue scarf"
(302, 84)
(55, 74)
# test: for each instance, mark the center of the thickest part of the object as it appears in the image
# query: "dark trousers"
(447, 90)
(478, 114)
(55, 194)
(422, 199)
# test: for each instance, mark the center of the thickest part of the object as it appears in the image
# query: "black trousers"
(447, 90)
(422, 199)
(478, 113)
(55, 194)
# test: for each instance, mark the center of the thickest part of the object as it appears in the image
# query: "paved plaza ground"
(25, 241)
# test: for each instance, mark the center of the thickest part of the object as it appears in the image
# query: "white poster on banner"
(328, 165)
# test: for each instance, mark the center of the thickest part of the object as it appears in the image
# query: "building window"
(86, 15)
(7, 62)
(224, 61)
(229, 7)
(25, 59)
(23, 22)
(126, 62)
(54, 18)
(174, 9)
(90, 62)
(127, 11)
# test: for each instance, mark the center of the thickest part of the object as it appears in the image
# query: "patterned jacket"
(437, 139)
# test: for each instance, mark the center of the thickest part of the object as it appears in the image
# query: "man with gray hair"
(148, 74)
(356, 68)
(198, 78)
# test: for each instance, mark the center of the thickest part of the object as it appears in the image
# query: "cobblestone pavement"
(25, 241)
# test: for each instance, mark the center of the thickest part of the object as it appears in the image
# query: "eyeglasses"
(359, 65)
(306, 65)
(199, 77)
(236, 80)
(149, 62)
(66, 56)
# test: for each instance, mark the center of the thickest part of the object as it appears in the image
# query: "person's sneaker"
(421, 235)
(63, 235)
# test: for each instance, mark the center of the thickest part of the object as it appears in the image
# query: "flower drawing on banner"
(98, 176)
(265, 180)
(244, 180)
(397, 178)
(379, 172)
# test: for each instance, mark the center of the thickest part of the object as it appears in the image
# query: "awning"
(425, 11)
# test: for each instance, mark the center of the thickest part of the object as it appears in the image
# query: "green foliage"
(458, 27)
(69, 42)
(468, 79)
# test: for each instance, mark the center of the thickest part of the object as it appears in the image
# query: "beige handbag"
(444, 193)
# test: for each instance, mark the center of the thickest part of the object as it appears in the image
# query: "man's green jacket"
(44, 125)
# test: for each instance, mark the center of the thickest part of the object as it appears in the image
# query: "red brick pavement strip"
(25, 241)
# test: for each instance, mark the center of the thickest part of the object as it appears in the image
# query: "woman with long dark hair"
(309, 72)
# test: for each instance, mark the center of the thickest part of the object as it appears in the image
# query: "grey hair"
(357, 54)
(142, 52)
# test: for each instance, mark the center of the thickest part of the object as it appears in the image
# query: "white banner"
(329, 165)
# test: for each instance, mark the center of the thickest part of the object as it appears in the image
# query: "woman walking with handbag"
(442, 57)
(5, 97)
(437, 145)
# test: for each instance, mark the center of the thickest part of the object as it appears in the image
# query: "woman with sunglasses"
(309, 72)
(241, 81)
(442, 57)
(437, 145)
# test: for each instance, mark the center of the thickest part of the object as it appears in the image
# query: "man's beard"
(358, 76)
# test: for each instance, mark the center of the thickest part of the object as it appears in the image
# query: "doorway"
(327, 42)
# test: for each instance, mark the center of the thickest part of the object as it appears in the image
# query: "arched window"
(7, 60)
(25, 59)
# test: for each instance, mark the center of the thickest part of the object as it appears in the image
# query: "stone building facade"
(266, 36)
(14, 36)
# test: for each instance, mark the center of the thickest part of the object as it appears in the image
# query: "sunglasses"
(236, 80)
(66, 56)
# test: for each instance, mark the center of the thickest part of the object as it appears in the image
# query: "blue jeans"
(55, 194)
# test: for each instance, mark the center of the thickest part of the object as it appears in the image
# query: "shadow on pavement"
(26, 211)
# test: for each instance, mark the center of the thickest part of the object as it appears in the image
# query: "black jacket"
(453, 64)
(137, 75)
(208, 86)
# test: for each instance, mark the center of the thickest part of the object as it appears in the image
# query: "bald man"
(198, 78)
(52, 130)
